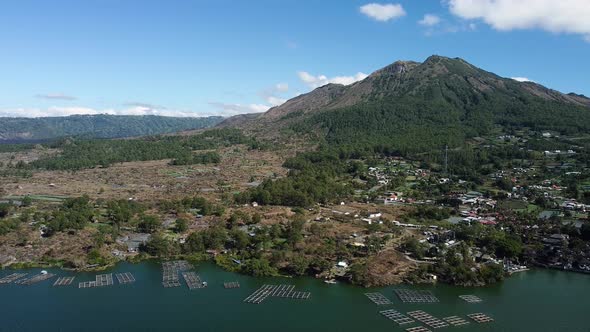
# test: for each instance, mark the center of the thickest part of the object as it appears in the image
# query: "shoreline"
(211, 259)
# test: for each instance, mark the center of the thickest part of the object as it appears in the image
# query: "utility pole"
(446, 159)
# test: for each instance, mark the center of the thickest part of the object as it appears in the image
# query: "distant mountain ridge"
(14, 130)
(413, 78)
(417, 105)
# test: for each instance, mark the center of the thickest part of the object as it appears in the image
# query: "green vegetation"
(78, 154)
(148, 224)
(75, 213)
(198, 204)
(314, 177)
(200, 158)
(457, 268)
(7, 225)
(181, 225)
(15, 147)
(99, 126)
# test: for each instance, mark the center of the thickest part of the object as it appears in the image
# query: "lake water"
(539, 300)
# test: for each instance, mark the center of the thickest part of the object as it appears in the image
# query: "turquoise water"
(540, 300)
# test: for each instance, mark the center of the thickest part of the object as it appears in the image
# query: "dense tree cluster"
(78, 154)
(458, 268)
(502, 243)
(313, 177)
(75, 213)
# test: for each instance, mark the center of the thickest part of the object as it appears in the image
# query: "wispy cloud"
(383, 12)
(226, 109)
(429, 20)
(144, 105)
(522, 79)
(557, 16)
(320, 80)
(81, 110)
(275, 94)
(55, 96)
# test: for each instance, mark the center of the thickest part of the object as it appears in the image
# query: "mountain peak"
(438, 79)
(397, 67)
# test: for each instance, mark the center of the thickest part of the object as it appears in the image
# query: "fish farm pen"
(284, 291)
(415, 296)
(12, 277)
(480, 318)
(427, 319)
(125, 278)
(193, 281)
(455, 321)
(470, 298)
(64, 281)
(397, 317)
(35, 279)
(171, 271)
(100, 281)
(233, 284)
(417, 329)
(378, 298)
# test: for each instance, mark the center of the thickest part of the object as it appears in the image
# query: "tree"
(158, 245)
(214, 237)
(299, 264)
(4, 209)
(148, 224)
(294, 231)
(508, 247)
(256, 218)
(414, 247)
(258, 267)
(95, 257)
(374, 244)
(359, 273)
(181, 225)
(27, 201)
(239, 239)
(194, 243)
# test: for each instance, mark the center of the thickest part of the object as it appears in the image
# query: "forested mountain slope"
(410, 106)
(96, 126)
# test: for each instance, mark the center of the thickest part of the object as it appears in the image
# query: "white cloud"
(226, 109)
(522, 79)
(145, 105)
(80, 110)
(321, 80)
(274, 95)
(557, 16)
(56, 96)
(429, 20)
(383, 12)
(282, 87)
(275, 101)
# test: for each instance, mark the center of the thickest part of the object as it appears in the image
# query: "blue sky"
(225, 57)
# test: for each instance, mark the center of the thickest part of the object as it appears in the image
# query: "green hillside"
(96, 126)
(409, 107)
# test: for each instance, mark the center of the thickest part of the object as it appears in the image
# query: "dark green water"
(540, 300)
